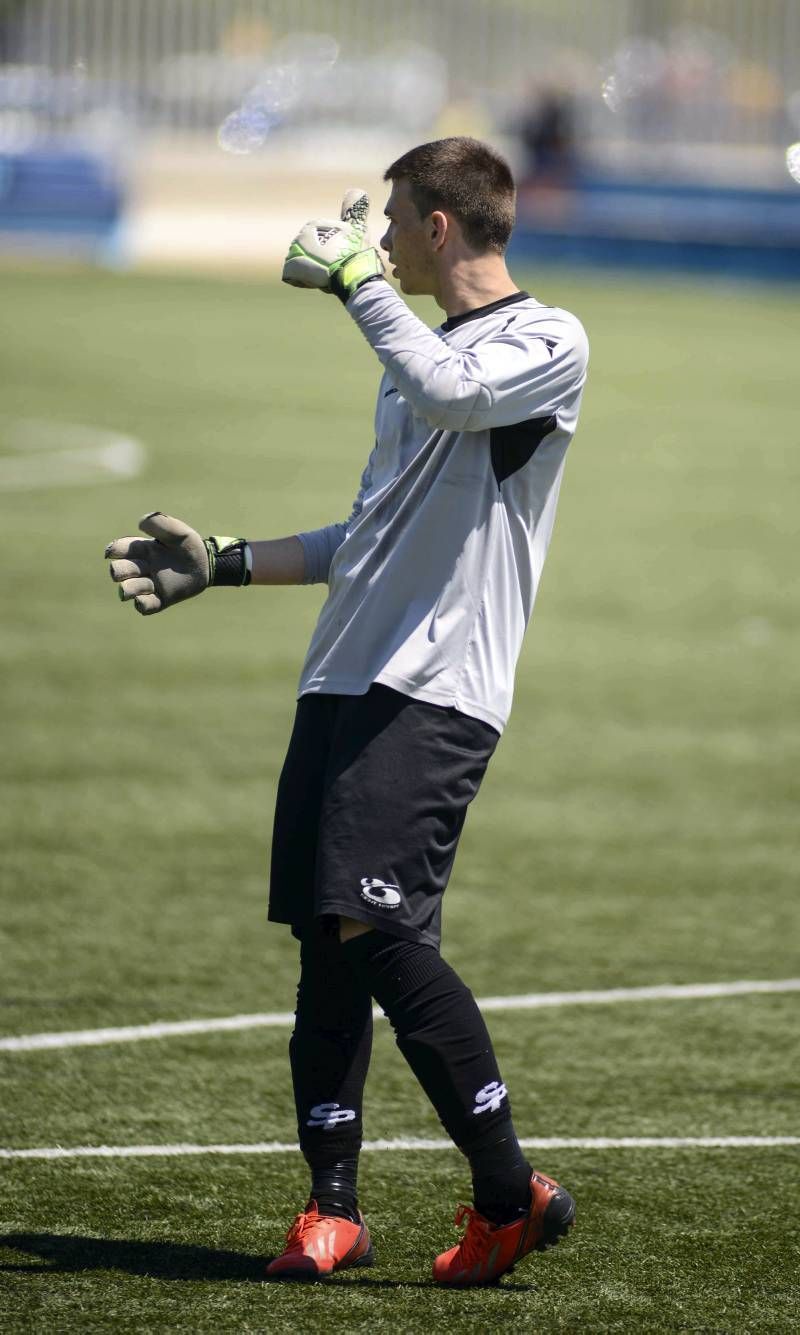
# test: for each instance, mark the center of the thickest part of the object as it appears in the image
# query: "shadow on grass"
(158, 1260)
(72, 1254)
(364, 1281)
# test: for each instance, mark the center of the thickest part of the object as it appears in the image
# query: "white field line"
(134, 1033)
(410, 1143)
(63, 454)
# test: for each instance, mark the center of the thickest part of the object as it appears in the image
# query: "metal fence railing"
(644, 73)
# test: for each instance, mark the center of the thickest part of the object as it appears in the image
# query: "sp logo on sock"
(489, 1098)
(329, 1115)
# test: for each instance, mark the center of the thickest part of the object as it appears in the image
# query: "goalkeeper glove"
(335, 256)
(173, 563)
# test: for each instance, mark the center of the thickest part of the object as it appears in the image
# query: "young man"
(407, 684)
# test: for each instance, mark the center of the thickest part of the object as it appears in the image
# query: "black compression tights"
(441, 1033)
(329, 1053)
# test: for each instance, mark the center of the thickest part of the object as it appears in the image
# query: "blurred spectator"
(548, 134)
(757, 94)
(245, 37)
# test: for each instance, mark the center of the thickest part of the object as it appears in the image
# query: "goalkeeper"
(407, 684)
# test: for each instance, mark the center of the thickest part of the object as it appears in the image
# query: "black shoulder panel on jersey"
(478, 313)
(512, 446)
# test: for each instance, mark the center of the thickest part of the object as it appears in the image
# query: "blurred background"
(187, 132)
(638, 825)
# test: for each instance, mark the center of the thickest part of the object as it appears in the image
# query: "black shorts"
(371, 803)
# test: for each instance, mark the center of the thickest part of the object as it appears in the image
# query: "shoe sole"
(309, 1277)
(557, 1220)
(366, 1260)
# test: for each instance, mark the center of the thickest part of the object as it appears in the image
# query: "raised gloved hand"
(335, 255)
(173, 563)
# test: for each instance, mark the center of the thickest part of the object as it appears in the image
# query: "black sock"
(329, 1052)
(442, 1035)
(501, 1177)
(333, 1187)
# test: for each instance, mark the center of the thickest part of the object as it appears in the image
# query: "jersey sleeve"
(320, 545)
(515, 374)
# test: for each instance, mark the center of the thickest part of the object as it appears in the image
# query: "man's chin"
(410, 288)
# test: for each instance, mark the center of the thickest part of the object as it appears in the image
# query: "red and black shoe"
(487, 1251)
(318, 1244)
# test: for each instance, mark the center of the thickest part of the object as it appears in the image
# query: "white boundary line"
(282, 1019)
(409, 1143)
(66, 454)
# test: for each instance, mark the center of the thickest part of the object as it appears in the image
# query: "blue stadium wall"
(628, 223)
(73, 202)
(60, 202)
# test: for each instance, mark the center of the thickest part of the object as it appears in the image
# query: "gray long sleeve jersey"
(432, 579)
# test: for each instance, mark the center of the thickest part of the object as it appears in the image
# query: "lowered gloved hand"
(172, 564)
(335, 256)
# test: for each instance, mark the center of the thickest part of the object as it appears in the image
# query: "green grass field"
(638, 825)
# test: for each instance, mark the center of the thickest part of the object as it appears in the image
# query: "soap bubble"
(244, 130)
(610, 93)
(298, 64)
(310, 51)
(635, 67)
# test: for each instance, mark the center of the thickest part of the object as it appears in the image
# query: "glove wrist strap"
(230, 562)
(354, 272)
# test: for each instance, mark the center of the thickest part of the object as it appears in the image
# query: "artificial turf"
(638, 824)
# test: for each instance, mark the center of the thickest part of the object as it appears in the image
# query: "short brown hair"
(466, 178)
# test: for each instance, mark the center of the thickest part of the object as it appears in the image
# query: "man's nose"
(384, 242)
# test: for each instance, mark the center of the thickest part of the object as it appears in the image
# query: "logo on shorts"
(380, 893)
(329, 1115)
(489, 1098)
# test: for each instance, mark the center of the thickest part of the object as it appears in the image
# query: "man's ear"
(439, 225)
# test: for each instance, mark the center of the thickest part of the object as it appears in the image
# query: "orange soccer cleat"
(487, 1251)
(317, 1244)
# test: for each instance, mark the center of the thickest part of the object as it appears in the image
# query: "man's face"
(408, 243)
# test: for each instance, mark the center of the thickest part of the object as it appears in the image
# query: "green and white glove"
(335, 255)
(173, 563)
